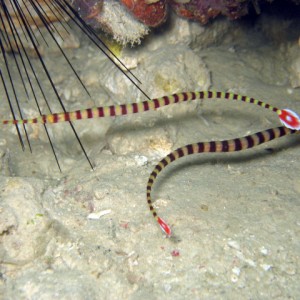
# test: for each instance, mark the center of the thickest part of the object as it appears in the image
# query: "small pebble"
(2, 142)
(233, 244)
(236, 271)
(98, 215)
(204, 207)
(167, 288)
(100, 193)
(231, 50)
(263, 250)
(290, 269)
(266, 267)
(234, 278)
(141, 160)
(67, 94)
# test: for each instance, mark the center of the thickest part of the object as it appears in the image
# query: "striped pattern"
(132, 108)
(233, 145)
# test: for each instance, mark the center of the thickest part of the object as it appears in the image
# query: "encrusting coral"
(153, 13)
(204, 10)
(129, 20)
(124, 18)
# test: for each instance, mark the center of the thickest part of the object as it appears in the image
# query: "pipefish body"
(288, 118)
(233, 145)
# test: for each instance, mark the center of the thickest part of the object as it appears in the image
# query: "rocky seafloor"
(84, 234)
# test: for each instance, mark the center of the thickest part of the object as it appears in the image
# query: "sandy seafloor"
(235, 217)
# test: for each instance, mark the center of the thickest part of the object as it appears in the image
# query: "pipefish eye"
(289, 119)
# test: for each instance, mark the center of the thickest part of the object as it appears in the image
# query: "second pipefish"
(233, 145)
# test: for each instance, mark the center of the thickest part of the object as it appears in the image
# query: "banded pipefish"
(288, 118)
